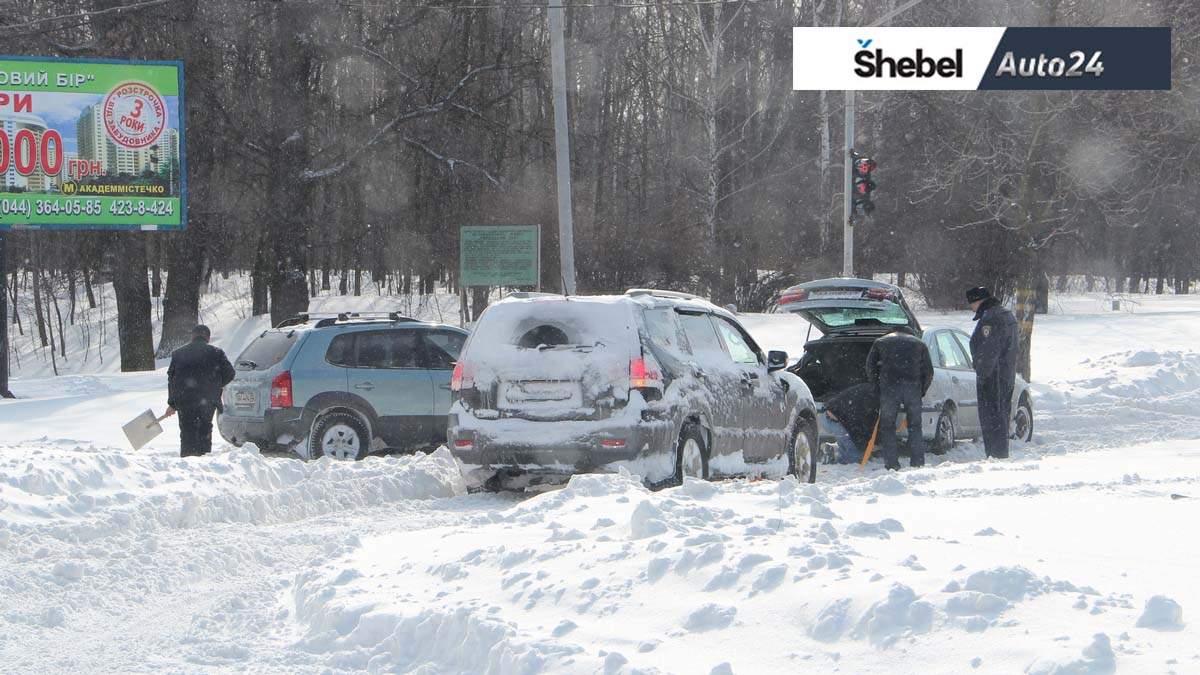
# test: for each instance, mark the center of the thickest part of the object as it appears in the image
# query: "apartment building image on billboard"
(12, 123)
(95, 144)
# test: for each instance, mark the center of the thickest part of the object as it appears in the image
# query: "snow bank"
(81, 494)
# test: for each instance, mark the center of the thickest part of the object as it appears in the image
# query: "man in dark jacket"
(195, 379)
(851, 419)
(900, 365)
(994, 346)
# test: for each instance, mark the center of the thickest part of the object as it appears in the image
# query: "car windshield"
(890, 314)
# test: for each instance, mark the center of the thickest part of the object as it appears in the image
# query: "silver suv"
(663, 384)
(343, 385)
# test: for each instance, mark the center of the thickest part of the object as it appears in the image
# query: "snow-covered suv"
(343, 385)
(663, 384)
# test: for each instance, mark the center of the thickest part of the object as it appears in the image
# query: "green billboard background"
(91, 144)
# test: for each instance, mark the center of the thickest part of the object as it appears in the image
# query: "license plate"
(542, 392)
(244, 399)
(836, 295)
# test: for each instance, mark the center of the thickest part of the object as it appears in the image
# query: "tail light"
(281, 390)
(462, 378)
(879, 294)
(643, 376)
(793, 295)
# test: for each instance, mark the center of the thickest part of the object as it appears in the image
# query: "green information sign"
(499, 255)
(91, 144)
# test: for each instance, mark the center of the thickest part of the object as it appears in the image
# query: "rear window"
(890, 314)
(266, 351)
(555, 325)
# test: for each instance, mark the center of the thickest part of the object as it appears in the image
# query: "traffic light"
(861, 185)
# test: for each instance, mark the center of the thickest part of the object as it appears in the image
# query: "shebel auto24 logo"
(874, 63)
(981, 57)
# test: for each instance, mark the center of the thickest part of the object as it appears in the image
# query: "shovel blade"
(142, 429)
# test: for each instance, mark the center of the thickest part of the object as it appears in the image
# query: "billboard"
(499, 255)
(91, 144)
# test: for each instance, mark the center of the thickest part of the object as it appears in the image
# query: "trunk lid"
(849, 307)
(553, 358)
(249, 395)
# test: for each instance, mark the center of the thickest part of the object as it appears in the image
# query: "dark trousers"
(195, 430)
(893, 396)
(995, 409)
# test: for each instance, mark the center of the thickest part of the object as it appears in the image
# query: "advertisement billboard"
(91, 144)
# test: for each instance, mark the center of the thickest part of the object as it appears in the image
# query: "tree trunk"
(4, 392)
(134, 325)
(479, 301)
(181, 305)
(87, 287)
(155, 264)
(258, 284)
(1042, 290)
(37, 292)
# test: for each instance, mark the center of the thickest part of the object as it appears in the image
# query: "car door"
(390, 376)
(719, 380)
(970, 395)
(763, 413)
(441, 350)
(957, 368)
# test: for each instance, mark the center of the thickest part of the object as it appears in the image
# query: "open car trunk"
(832, 364)
(851, 315)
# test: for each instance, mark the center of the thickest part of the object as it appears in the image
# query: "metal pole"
(4, 392)
(562, 154)
(847, 204)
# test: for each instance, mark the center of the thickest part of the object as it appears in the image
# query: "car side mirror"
(776, 360)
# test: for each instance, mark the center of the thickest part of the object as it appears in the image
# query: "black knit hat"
(201, 331)
(978, 293)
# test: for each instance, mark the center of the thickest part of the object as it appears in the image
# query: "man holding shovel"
(198, 373)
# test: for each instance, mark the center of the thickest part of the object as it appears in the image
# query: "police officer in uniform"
(900, 365)
(994, 347)
(198, 373)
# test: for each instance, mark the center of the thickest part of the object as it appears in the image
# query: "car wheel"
(691, 454)
(1023, 422)
(802, 453)
(946, 432)
(340, 435)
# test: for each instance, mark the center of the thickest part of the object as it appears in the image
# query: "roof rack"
(662, 294)
(521, 295)
(329, 319)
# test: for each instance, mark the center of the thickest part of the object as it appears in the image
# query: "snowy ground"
(1050, 562)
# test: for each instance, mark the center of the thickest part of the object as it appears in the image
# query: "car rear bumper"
(277, 427)
(562, 448)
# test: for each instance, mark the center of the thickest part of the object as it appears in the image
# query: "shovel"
(143, 428)
(871, 443)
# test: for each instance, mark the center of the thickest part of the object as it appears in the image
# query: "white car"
(851, 314)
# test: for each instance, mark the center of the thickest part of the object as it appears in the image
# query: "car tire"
(945, 433)
(339, 435)
(1023, 421)
(691, 454)
(802, 451)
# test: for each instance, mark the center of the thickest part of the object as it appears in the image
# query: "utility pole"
(4, 392)
(847, 205)
(847, 200)
(562, 148)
